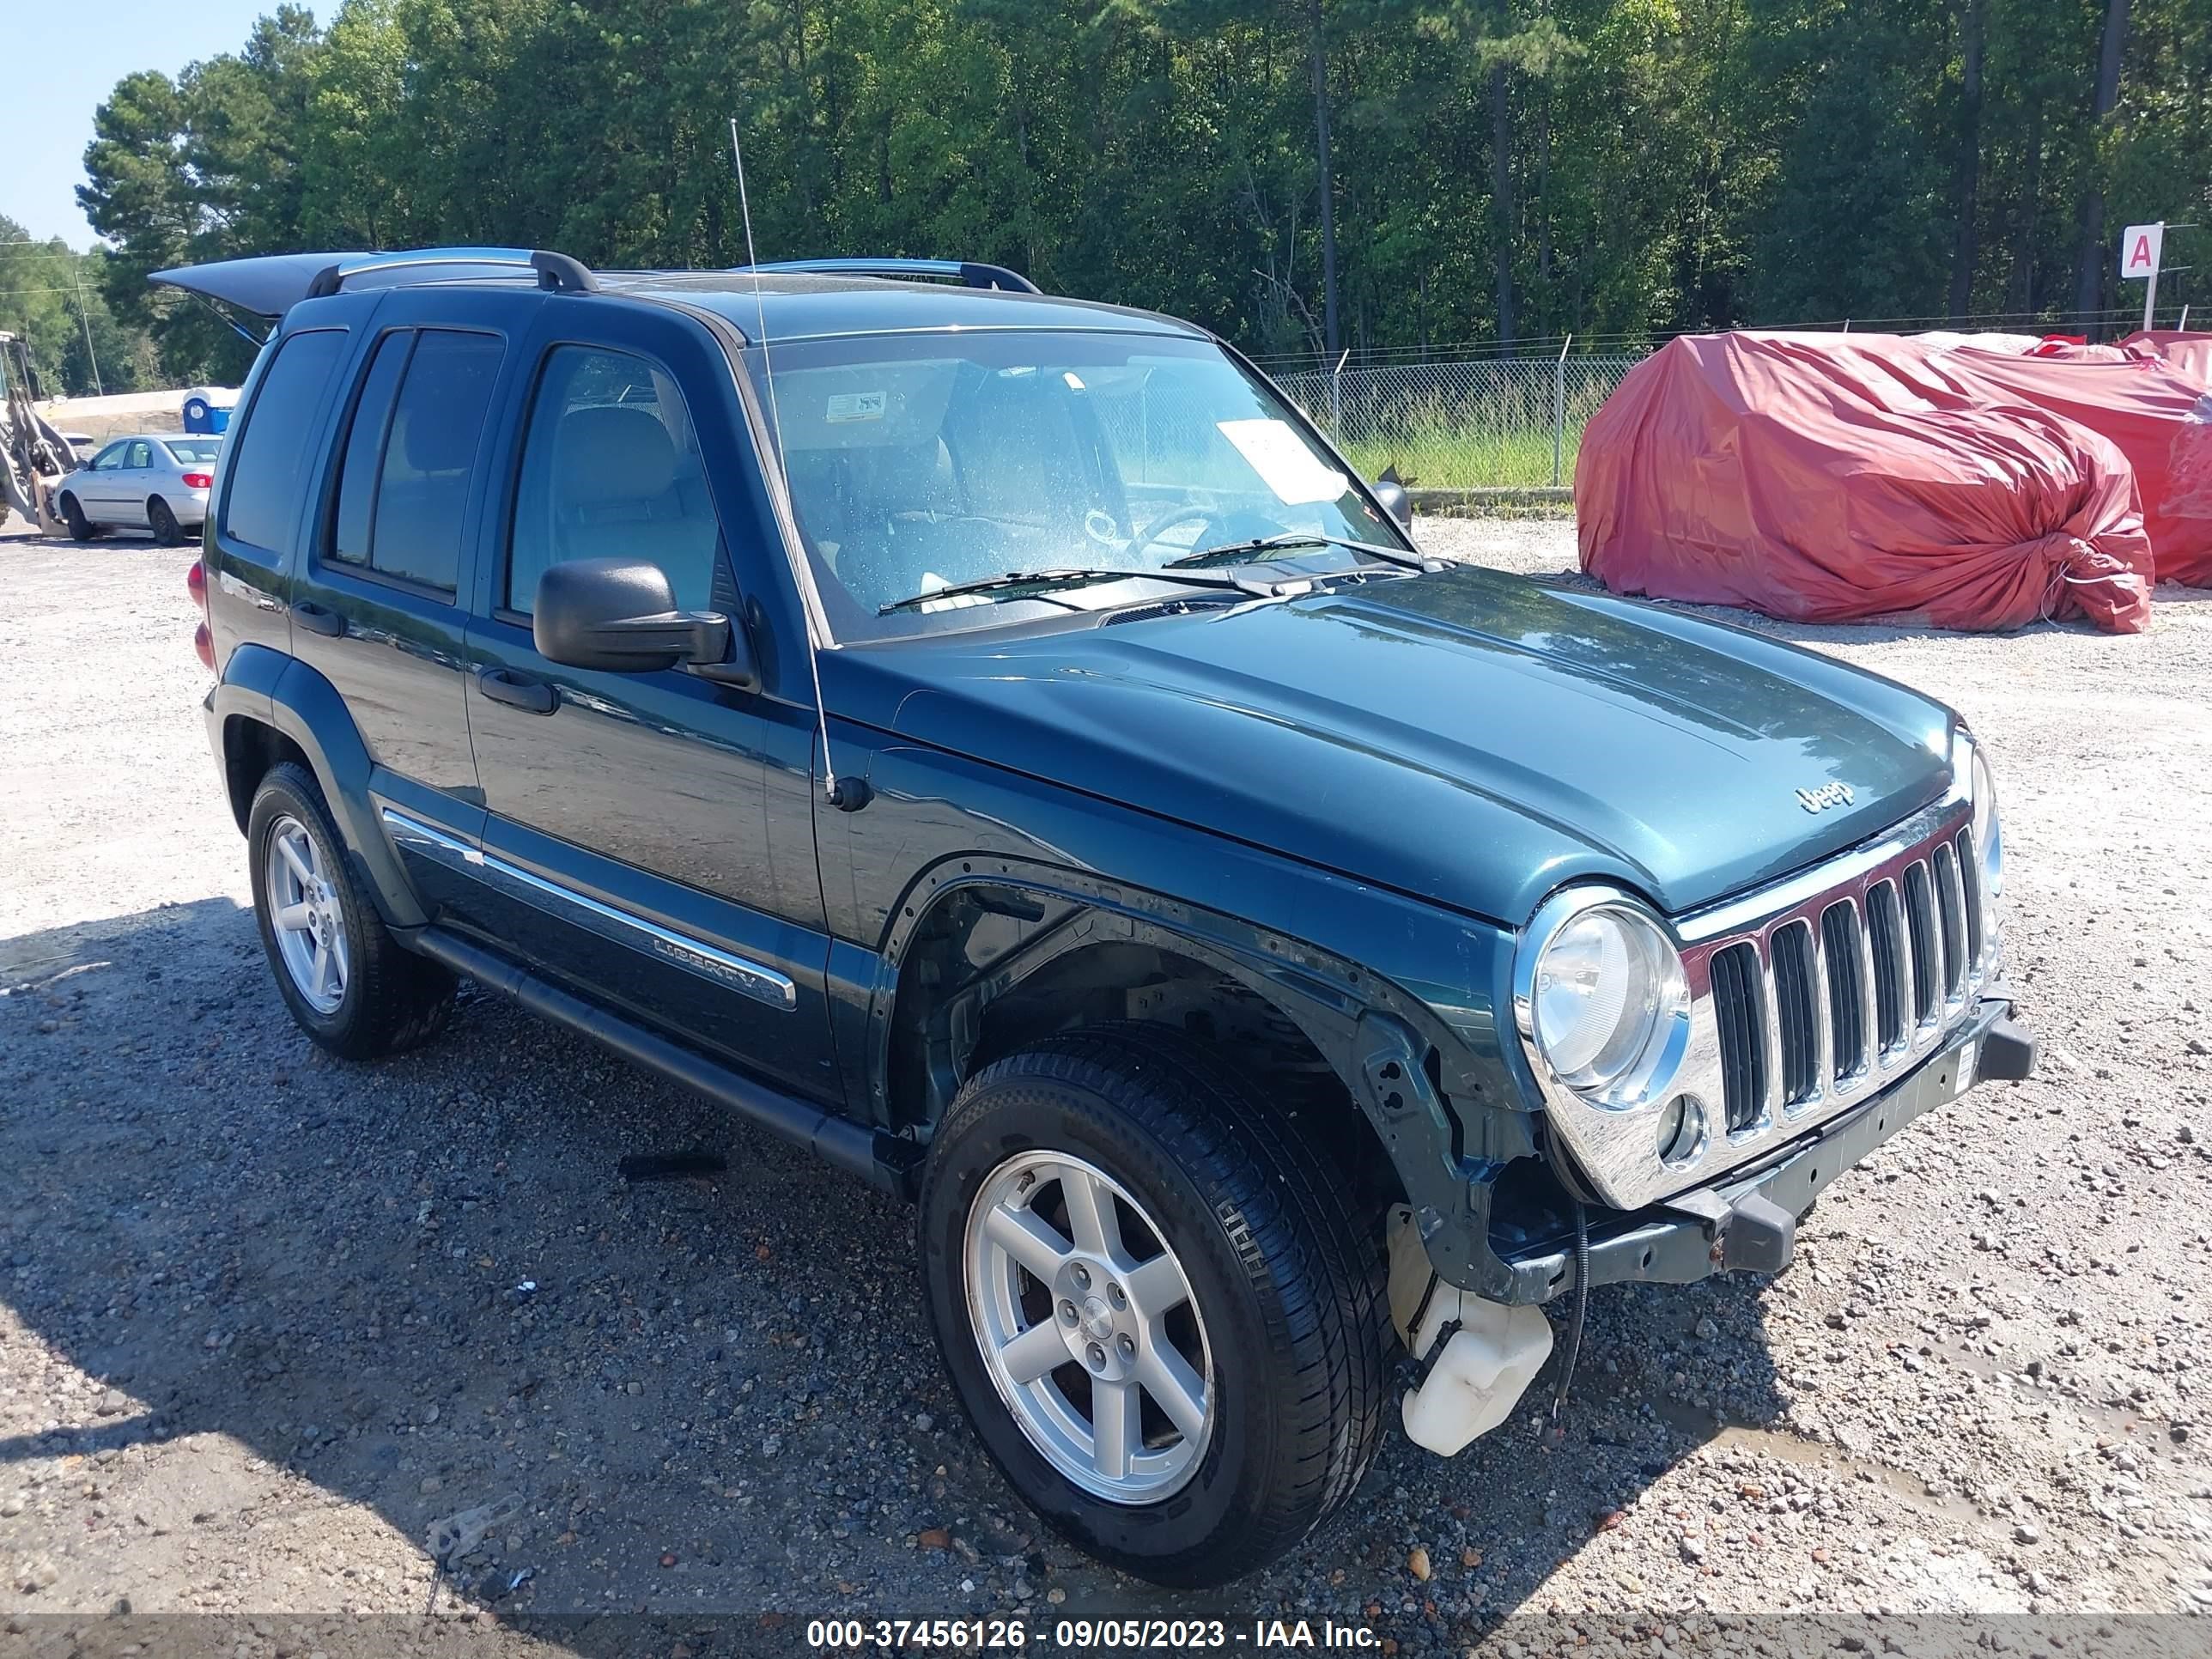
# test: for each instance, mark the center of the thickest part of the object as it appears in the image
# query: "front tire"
(81, 529)
(1164, 1313)
(349, 983)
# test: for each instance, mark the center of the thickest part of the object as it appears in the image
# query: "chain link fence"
(1493, 422)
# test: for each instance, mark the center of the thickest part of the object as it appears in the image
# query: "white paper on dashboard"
(1284, 464)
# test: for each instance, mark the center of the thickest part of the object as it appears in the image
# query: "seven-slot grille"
(1825, 999)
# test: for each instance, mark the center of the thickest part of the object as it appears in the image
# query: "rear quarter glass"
(271, 452)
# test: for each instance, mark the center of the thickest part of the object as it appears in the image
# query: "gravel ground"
(263, 1321)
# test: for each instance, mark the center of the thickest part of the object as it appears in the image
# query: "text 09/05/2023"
(1087, 1635)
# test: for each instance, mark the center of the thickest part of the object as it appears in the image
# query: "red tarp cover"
(2160, 418)
(2190, 352)
(1825, 478)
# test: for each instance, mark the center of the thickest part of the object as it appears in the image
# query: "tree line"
(56, 299)
(1300, 175)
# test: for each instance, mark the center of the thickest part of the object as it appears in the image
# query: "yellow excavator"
(33, 454)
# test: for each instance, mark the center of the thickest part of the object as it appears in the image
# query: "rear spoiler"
(268, 286)
(271, 284)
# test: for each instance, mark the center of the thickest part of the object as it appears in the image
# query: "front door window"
(612, 469)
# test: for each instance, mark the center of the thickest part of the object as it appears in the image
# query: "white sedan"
(153, 481)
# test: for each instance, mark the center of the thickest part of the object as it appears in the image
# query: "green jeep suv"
(997, 742)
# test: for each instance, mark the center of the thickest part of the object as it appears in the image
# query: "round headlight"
(1605, 995)
(1989, 833)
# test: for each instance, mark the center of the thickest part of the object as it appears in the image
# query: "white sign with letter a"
(2140, 247)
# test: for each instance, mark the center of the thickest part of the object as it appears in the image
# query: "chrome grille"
(1816, 1004)
(1893, 975)
(1843, 953)
(1809, 996)
(1796, 1010)
(1920, 928)
(1969, 885)
(1951, 912)
(1737, 1004)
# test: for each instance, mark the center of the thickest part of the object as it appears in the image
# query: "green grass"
(1496, 439)
(1467, 457)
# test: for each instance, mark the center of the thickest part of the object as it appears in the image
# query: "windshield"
(189, 450)
(935, 460)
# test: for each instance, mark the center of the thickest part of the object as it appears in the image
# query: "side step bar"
(883, 1161)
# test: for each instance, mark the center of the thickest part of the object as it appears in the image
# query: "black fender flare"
(283, 693)
(1376, 1037)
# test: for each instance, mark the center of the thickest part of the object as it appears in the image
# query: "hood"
(1467, 736)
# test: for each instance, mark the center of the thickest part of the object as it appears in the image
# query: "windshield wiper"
(1229, 552)
(1042, 581)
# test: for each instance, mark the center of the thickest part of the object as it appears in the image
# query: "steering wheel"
(1239, 524)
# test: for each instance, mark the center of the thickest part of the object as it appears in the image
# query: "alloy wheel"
(307, 917)
(1089, 1327)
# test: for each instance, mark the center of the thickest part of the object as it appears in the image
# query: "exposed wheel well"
(963, 1003)
(250, 748)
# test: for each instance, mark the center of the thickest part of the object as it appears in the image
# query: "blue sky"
(67, 60)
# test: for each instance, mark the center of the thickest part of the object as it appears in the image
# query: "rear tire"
(1280, 1298)
(81, 529)
(163, 522)
(361, 995)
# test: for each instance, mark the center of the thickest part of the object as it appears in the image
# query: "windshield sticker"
(856, 406)
(1284, 463)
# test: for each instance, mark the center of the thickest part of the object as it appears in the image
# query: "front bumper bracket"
(1747, 1222)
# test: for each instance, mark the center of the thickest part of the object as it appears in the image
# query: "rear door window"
(364, 450)
(410, 454)
(270, 454)
(141, 454)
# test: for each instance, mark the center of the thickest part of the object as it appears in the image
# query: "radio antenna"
(852, 794)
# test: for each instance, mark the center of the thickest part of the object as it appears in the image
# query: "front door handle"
(318, 619)
(517, 690)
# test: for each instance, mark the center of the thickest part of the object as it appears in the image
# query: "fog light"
(1681, 1132)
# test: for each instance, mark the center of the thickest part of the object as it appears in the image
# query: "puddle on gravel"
(2094, 1416)
(1786, 1448)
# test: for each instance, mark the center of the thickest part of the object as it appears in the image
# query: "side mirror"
(620, 616)
(1396, 502)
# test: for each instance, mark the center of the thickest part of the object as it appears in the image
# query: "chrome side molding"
(751, 979)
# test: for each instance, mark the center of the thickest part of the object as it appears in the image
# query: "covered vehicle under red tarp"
(2189, 351)
(2137, 395)
(1825, 478)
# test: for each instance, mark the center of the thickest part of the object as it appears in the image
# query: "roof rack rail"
(556, 272)
(971, 272)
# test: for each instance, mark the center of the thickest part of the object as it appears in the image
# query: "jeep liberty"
(997, 742)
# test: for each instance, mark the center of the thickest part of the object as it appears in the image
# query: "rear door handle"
(517, 690)
(318, 619)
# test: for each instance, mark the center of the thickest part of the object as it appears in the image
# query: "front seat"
(616, 494)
